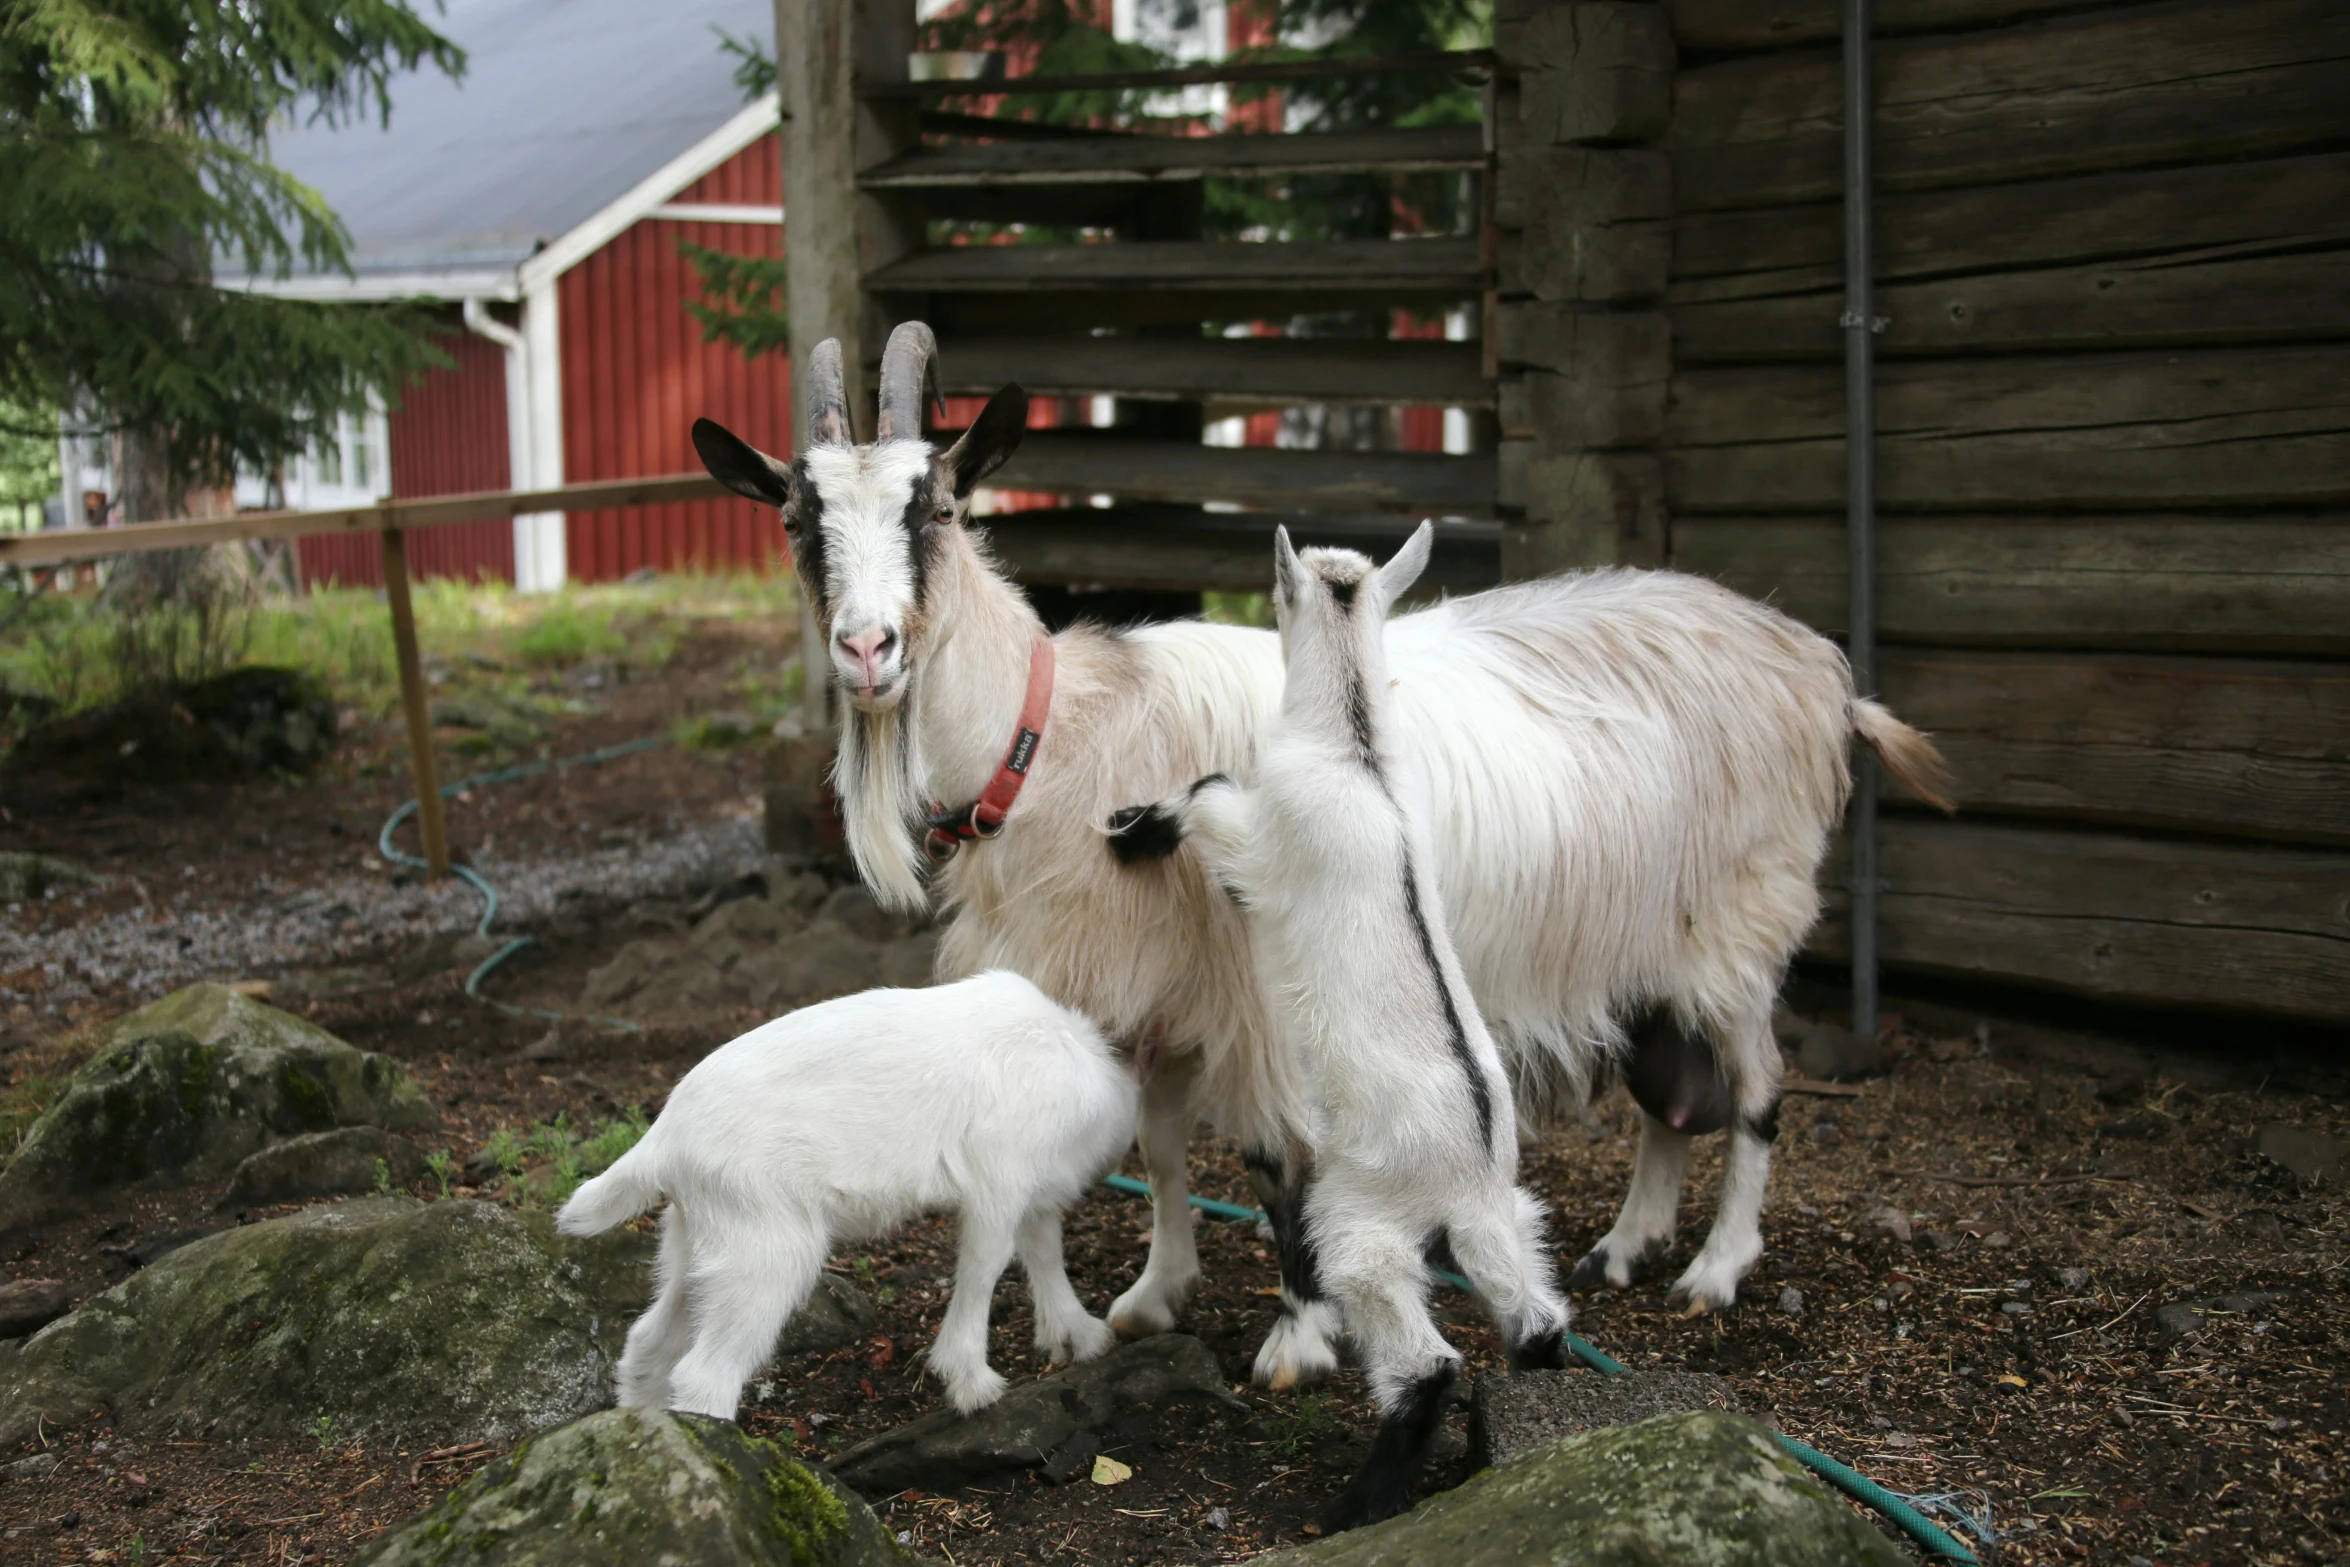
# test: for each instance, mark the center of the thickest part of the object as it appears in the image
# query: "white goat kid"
(1632, 779)
(1414, 1127)
(840, 1122)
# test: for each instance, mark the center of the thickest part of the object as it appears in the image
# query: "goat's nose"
(867, 645)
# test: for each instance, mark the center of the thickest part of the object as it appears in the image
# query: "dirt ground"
(2006, 1355)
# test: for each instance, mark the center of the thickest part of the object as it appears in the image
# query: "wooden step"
(1237, 369)
(1079, 462)
(1136, 159)
(1318, 267)
(1151, 545)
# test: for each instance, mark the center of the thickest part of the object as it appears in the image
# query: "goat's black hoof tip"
(1590, 1273)
(1359, 1512)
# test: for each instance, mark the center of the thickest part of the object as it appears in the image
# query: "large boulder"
(399, 1320)
(1702, 1489)
(188, 1088)
(1511, 1415)
(345, 1162)
(1054, 1425)
(638, 1488)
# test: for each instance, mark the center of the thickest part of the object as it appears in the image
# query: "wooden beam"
(1079, 463)
(416, 704)
(2113, 87)
(64, 544)
(1318, 266)
(2261, 427)
(1427, 62)
(2243, 747)
(2217, 255)
(2222, 927)
(1145, 159)
(2276, 585)
(1781, 24)
(1241, 369)
(1146, 545)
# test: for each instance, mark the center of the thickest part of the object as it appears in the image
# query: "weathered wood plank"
(2277, 585)
(1146, 545)
(1142, 159)
(1259, 369)
(2177, 81)
(1344, 265)
(2119, 918)
(1081, 463)
(2221, 254)
(2261, 427)
(1742, 24)
(2254, 747)
(1592, 225)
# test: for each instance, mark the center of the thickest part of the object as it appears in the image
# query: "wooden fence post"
(429, 821)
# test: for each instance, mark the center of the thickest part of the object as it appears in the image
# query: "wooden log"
(2276, 585)
(1146, 545)
(1253, 369)
(2222, 254)
(1590, 225)
(2252, 747)
(1582, 509)
(415, 704)
(1742, 24)
(2116, 87)
(2223, 927)
(2264, 427)
(1081, 463)
(1594, 378)
(1052, 312)
(1144, 159)
(1595, 71)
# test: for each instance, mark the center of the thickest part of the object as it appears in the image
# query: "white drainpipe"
(533, 412)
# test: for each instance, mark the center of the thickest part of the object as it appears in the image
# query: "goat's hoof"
(1298, 1352)
(973, 1391)
(1089, 1341)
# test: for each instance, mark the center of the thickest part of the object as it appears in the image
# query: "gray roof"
(564, 107)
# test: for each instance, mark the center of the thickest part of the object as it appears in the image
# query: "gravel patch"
(152, 950)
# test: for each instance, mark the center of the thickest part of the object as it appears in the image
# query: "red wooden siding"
(636, 374)
(448, 437)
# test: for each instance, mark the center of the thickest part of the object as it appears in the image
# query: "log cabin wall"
(2114, 435)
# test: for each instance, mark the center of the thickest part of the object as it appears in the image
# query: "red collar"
(984, 817)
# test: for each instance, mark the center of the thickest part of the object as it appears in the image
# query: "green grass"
(1301, 1427)
(545, 1165)
(62, 648)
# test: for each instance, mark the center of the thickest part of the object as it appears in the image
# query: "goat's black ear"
(740, 466)
(993, 437)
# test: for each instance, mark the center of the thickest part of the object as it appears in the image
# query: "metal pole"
(429, 821)
(1860, 325)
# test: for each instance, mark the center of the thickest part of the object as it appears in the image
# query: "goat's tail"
(1905, 752)
(629, 1188)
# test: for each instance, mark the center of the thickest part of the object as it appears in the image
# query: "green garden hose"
(1848, 1480)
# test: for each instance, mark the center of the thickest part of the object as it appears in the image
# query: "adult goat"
(1632, 776)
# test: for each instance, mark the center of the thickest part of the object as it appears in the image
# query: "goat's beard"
(877, 779)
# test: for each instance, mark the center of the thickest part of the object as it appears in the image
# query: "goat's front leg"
(1303, 1346)
(1065, 1330)
(1151, 1302)
(959, 1353)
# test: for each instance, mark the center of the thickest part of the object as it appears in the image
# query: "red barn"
(537, 207)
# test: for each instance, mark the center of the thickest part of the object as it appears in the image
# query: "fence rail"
(57, 546)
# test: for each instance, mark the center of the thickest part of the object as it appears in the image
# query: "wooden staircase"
(1129, 318)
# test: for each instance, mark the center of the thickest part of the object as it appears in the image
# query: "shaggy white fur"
(840, 1122)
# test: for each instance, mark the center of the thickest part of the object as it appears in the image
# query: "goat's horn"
(908, 366)
(828, 396)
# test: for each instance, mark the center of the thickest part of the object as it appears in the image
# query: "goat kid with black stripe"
(1414, 1129)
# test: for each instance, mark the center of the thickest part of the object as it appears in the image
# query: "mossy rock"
(399, 1321)
(1703, 1489)
(259, 719)
(638, 1488)
(188, 1088)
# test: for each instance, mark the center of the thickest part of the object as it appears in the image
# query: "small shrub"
(506, 1151)
(383, 1178)
(443, 1166)
(612, 1139)
(1301, 1427)
(322, 1430)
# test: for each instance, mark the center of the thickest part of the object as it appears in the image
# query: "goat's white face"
(866, 525)
(862, 539)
